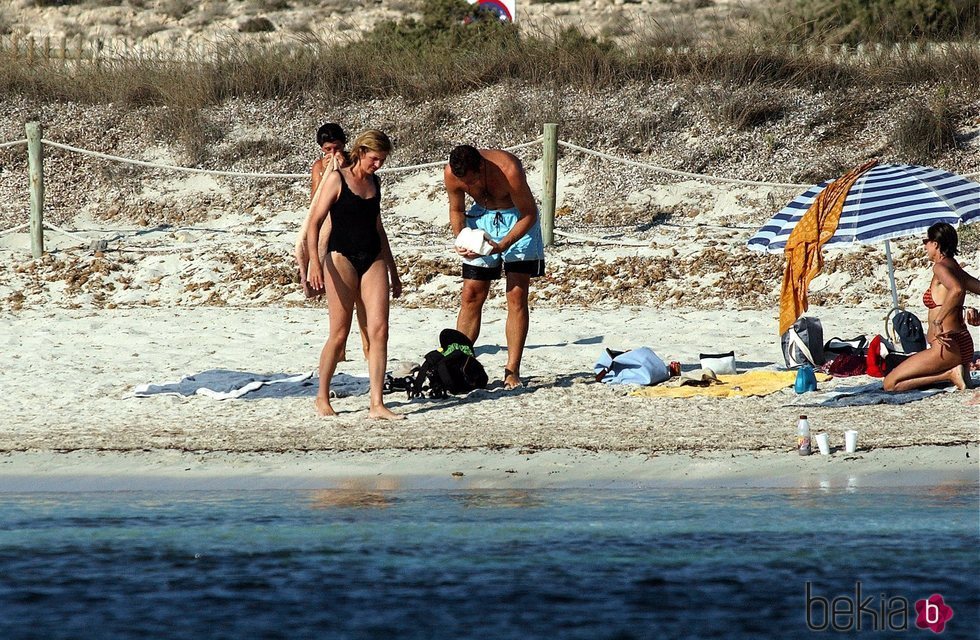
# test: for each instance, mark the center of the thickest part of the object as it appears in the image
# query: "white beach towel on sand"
(861, 395)
(223, 384)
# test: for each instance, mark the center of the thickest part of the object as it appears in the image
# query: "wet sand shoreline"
(392, 470)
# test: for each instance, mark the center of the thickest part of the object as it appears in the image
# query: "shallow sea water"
(591, 564)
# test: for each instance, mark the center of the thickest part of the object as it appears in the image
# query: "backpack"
(803, 343)
(837, 347)
(451, 369)
(906, 329)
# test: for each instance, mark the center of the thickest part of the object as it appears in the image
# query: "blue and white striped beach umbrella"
(887, 202)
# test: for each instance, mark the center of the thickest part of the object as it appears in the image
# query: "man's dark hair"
(464, 159)
(944, 235)
(330, 132)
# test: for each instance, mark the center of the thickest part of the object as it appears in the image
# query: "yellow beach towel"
(803, 257)
(750, 383)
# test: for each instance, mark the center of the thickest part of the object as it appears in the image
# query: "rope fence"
(675, 172)
(37, 190)
(609, 241)
(169, 167)
(549, 142)
(243, 174)
(13, 229)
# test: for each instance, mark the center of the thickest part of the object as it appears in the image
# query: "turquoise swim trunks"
(498, 223)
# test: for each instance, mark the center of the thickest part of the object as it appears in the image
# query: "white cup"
(850, 440)
(823, 441)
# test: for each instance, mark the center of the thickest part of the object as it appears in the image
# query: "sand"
(484, 470)
(161, 22)
(80, 330)
(200, 282)
(69, 377)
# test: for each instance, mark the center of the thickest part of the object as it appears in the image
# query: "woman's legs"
(341, 285)
(375, 294)
(362, 324)
(936, 365)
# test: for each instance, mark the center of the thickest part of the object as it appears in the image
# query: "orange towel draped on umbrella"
(803, 248)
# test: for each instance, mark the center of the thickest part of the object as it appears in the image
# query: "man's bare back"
(493, 186)
(499, 183)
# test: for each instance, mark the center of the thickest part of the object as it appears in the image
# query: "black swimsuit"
(354, 232)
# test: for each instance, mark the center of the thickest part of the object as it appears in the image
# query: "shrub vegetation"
(449, 49)
(927, 130)
(863, 21)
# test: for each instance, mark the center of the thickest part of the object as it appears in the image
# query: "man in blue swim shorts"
(504, 208)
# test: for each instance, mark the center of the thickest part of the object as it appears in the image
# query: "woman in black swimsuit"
(358, 264)
(332, 140)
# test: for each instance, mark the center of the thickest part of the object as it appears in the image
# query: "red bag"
(882, 357)
(876, 362)
(848, 364)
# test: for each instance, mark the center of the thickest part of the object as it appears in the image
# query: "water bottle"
(806, 379)
(811, 378)
(803, 436)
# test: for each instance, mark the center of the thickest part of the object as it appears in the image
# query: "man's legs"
(518, 320)
(471, 310)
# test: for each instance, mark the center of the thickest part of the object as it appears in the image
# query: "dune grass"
(870, 21)
(439, 55)
(927, 129)
(448, 51)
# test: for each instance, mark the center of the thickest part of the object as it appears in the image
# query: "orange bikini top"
(927, 299)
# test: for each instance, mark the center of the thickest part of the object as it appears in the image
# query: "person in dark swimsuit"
(358, 217)
(332, 141)
(357, 265)
(950, 351)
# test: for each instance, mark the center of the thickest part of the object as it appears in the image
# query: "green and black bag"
(450, 370)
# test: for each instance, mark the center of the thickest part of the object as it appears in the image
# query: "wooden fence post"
(549, 180)
(35, 167)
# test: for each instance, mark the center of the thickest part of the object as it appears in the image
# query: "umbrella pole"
(891, 274)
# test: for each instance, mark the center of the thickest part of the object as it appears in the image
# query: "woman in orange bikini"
(950, 351)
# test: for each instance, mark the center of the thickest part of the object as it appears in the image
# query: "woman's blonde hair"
(370, 140)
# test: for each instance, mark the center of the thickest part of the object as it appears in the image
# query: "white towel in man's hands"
(475, 240)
